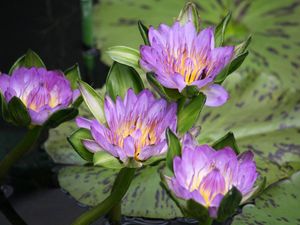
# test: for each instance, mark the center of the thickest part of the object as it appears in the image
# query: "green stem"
(114, 215)
(119, 189)
(22, 147)
(87, 24)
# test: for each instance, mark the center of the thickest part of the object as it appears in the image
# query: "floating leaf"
(279, 204)
(145, 197)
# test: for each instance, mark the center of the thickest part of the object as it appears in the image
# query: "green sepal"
(4, 113)
(231, 67)
(198, 211)
(190, 91)
(60, 117)
(132, 163)
(237, 62)
(220, 30)
(93, 100)
(18, 112)
(30, 59)
(241, 48)
(104, 159)
(190, 113)
(120, 78)
(189, 13)
(76, 139)
(169, 94)
(174, 148)
(77, 102)
(154, 160)
(73, 75)
(229, 204)
(227, 141)
(125, 55)
(144, 32)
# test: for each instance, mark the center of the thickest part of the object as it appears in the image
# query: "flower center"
(188, 64)
(143, 134)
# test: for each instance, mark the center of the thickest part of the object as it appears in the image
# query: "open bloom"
(135, 128)
(179, 56)
(206, 175)
(42, 92)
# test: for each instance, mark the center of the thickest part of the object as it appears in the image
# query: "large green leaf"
(278, 205)
(274, 27)
(145, 197)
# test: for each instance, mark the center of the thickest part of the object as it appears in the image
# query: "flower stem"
(119, 189)
(22, 147)
(115, 214)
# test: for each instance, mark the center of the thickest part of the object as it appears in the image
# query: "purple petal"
(179, 81)
(153, 150)
(179, 191)
(156, 37)
(129, 147)
(130, 100)
(110, 112)
(38, 118)
(205, 42)
(212, 184)
(76, 94)
(198, 197)
(101, 136)
(216, 95)
(4, 82)
(91, 145)
(83, 122)
(220, 57)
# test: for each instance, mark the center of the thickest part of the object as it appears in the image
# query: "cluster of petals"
(206, 175)
(180, 56)
(136, 126)
(43, 92)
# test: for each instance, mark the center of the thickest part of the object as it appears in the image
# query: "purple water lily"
(206, 175)
(42, 92)
(179, 56)
(135, 128)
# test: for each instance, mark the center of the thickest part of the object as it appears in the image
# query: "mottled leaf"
(279, 204)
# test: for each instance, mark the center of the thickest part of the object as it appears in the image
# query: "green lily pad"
(278, 205)
(274, 27)
(93, 184)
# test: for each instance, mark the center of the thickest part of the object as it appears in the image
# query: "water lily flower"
(135, 128)
(180, 57)
(206, 175)
(42, 92)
